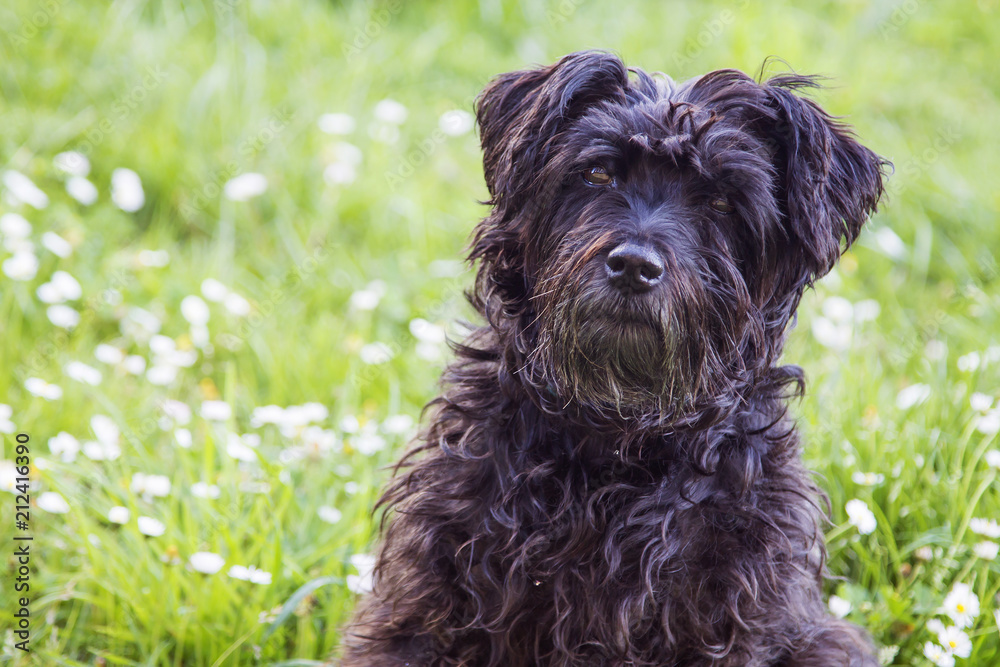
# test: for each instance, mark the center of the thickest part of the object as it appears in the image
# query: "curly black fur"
(610, 477)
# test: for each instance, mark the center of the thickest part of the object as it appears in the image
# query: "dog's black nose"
(633, 267)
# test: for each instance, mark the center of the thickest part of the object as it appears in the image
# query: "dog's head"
(649, 241)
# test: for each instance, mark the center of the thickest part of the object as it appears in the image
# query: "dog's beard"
(634, 358)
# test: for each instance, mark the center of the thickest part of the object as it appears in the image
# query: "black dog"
(610, 477)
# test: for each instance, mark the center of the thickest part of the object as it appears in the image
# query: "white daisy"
(867, 478)
(119, 514)
(65, 446)
(860, 516)
(22, 265)
(182, 437)
(368, 443)
(82, 190)
(140, 324)
(178, 413)
(349, 424)
(986, 550)
(108, 354)
(150, 526)
(106, 447)
(426, 332)
(213, 290)
(194, 310)
(239, 449)
(237, 305)
(336, 123)
(126, 190)
(63, 316)
(391, 112)
(24, 190)
(267, 414)
(205, 490)
(50, 501)
(161, 375)
(57, 245)
(429, 351)
(955, 641)
(889, 243)
(73, 163)
(153, 259)
(993, 458)
(251, 574)
(218, 411)
(397, 424)
(989, 424)
(981, 402)
(81, 372)
(362, 582)
(867, 310)
(8, 476)
(985, 527)
(134, 364)
(365, 299)
(456, 122)
(339, 173)
(839, 607)
(14, 226)
(206, 562)
(969, 362)
(838, 309)
(836, 336)
(150, 486)
(938, 655)
(105, 428)
(43, 389)
(912, 396)
(375, 353)
(961, 605)
(6, 425)
(329, 514)
(245, 186)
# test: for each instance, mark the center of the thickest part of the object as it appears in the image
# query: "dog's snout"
(634, 268)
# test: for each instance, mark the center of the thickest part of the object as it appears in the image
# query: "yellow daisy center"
(960, 608)
(952, 643)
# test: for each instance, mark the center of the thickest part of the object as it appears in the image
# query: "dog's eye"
(721, 205)
(598, 176)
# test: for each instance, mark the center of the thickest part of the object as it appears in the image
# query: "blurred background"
(231, 236)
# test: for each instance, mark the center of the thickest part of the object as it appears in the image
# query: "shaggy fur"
(610, 477)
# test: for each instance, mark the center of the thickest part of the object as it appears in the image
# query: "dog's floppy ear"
(829, 182)
(520, 113)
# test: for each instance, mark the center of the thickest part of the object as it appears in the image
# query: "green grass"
(190, 94)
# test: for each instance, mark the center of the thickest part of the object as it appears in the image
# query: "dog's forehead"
(667, 124)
